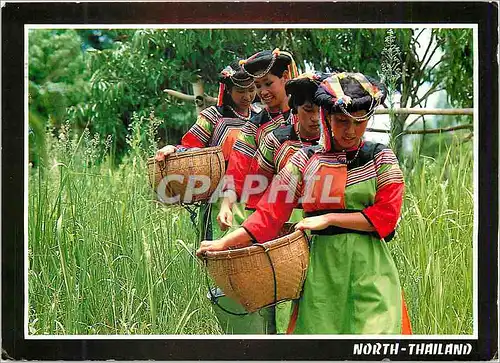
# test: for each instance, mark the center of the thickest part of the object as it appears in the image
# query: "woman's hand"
(225, 217)
(164, 152)
(313, 223)
(236, 239)
(216, 245)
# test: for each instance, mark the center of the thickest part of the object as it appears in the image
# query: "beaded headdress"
(232, 75)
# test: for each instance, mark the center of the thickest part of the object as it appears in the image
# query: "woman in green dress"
(351, 191)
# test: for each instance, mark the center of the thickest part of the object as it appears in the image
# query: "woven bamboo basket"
(207, 162)
(245, 274)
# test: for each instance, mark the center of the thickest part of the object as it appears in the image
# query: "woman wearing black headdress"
(219, 126)
(352, 284)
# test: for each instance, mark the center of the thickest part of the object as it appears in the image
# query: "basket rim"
(187, 153)
(254, 249)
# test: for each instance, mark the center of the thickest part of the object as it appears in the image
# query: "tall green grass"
(433, 250)
(105, 258)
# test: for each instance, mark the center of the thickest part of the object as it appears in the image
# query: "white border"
(474, 27)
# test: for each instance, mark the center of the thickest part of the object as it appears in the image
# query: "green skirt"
(352, 287)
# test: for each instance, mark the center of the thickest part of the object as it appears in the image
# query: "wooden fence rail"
(380, 111)
(202, 99)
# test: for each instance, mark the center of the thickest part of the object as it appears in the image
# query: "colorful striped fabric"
(241, 161)
(215, 126)
(354, 267)
(274, 152)
(373, 177)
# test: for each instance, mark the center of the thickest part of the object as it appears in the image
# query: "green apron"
(358, 273)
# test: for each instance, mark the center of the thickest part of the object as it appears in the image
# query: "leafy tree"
(451, 72)
(58, 78)
(131, 76)
(97, 38)
(131, 68)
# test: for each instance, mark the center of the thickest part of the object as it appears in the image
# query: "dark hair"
(301, 96)
(239, 77)
(261, 60)
(227, 100)
(278, 68)
(303, 88)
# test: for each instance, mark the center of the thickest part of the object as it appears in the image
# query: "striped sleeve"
(201, 132)
(265, 154)
(262, 165)
(386, 210)
(276, 205)
(241, 157)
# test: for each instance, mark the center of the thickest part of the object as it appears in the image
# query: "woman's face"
(243, 97)
(347, 132)
(308, 116)
(271, 89)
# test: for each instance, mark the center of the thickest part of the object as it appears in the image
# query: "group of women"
(310, 128)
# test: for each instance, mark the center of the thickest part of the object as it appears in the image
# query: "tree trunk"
(198, 93)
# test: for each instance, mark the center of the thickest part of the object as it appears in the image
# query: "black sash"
(334, 230)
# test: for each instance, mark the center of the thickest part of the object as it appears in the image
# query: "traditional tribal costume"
(219, 126)
(275, 151)
(352, 284)
(258, 127)
(279, 146)
(242, 159)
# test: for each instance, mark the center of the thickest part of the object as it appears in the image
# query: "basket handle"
(266, 250)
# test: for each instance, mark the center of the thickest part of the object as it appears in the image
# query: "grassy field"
(104, 258)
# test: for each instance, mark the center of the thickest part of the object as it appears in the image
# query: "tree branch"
(428, 46)
(414, 121)
(427, 131)
(422, 80)
(432, 54)
(185, 97)
(418, 35)
(431, 91)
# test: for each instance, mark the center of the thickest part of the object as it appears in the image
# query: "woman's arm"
(236, 239)
(356, 221)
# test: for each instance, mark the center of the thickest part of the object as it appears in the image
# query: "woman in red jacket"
(219, 126)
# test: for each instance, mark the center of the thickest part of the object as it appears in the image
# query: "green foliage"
(439, 59)
(58, 78)
(391, 70)
(391, 73)
(356, 50)
(433, 250)
(104, 258)
(129, 70)
(131, 76)
(97, 38)
(456, 68)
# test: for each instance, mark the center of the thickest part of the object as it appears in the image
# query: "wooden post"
(199, 98)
